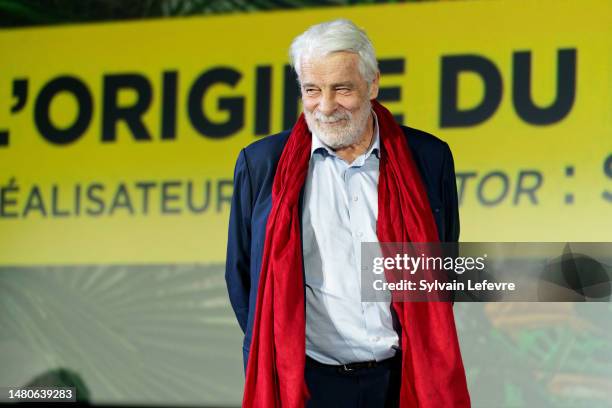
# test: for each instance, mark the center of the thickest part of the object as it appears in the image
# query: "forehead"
(332, 68)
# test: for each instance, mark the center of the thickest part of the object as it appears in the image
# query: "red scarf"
(432, 370)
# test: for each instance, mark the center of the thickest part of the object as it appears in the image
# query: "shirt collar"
(319, 147)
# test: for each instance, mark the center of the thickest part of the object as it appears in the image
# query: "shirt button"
(376, 339)
(360, 234)
(355, 198)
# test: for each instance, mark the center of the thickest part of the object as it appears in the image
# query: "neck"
(350, 153)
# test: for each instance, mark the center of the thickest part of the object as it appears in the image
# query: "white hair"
(334, 36)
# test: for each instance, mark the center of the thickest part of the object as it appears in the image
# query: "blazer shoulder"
(262, 156)
(423, 142)
(431, 154)
(266, 148)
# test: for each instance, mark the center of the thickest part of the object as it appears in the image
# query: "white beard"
(340, 129)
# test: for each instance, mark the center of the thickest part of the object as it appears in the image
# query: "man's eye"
(343, 90)
(311, 91)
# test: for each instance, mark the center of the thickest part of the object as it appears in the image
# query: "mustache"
(334, 117)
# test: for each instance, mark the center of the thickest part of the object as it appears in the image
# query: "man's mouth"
(332, 122)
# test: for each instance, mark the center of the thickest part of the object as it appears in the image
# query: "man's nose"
(328, 104)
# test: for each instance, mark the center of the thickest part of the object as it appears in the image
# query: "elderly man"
(303, 202)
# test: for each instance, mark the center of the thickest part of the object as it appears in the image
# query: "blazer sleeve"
(451, 203)
(451, 208)
(237, 264)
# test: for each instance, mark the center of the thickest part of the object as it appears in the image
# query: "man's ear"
(374, 86)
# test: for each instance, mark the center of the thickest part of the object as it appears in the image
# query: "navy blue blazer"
(252, 201)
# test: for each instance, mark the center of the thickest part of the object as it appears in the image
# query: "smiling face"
(336, 98)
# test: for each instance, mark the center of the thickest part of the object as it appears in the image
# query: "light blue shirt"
(340, 212)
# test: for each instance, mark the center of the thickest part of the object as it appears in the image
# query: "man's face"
(336, 98)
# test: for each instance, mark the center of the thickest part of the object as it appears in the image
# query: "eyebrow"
(347, 84)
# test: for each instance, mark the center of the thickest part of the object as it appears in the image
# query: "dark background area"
(22, 13)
